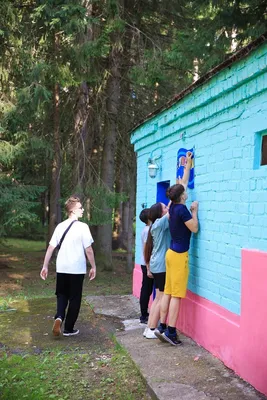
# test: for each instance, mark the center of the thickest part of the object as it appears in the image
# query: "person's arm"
(149, 274)
(192, 224)
(163, 221)
(48, 255)
(91, 258)
(184, 180)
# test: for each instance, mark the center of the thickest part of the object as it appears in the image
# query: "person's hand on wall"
(194, 206)
(189, 156)
(186, 172)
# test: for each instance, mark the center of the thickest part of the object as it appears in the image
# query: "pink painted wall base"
(239, 341)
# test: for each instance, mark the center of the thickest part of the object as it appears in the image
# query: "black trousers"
(146, 290)
(69, 294)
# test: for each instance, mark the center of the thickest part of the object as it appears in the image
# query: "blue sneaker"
(171, 338)
(159, 332)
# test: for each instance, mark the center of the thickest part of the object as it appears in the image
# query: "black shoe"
(143, 320)
(71, 333)
(171, 338)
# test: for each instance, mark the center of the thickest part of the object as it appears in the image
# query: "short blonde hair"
(71, 203)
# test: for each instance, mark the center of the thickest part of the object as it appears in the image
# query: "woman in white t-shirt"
(70, 265)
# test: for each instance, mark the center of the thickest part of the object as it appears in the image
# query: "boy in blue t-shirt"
(147, 282)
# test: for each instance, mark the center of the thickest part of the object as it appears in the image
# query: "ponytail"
(155, 212)
(148, 246)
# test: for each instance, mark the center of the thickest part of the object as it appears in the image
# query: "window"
(264, 150)
(260, 150)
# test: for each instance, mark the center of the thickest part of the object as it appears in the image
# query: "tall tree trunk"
(104, 232)
(81, 135)
(126, 230)
(84, 132)
(130, 233)
(54, 205)
(126, 160)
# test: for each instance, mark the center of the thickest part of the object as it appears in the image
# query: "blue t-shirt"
(161, 242)
(180, 234)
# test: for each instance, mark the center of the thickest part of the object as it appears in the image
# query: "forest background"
(75, 77)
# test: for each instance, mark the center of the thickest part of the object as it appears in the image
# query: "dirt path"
(28, 328)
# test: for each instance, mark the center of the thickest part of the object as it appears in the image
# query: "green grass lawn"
(23, 245)
(61, 376)
(23, 260)
(35, 366)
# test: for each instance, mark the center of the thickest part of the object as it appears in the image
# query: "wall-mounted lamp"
(152, 169)
(153, 166)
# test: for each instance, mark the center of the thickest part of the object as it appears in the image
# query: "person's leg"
(62, 293)
(165, 301)
(174, 309)
(155, 311)
(75, 298)
(153, 319)
(159, 280)
(179, 279)
(170, 335)
(146, 290)
(164, 307)
(62, 302)
(152, 309)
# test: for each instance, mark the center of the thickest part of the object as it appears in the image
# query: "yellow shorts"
(177, 272)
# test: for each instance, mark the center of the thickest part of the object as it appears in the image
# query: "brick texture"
(222, 120)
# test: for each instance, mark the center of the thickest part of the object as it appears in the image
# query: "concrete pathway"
(187, 372)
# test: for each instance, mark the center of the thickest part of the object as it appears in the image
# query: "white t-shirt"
(71, 258)
(143, 242)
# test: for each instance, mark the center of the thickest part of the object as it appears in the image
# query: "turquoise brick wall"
(222, 120)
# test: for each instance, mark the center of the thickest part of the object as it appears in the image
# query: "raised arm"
(184, 180)
(192, 224)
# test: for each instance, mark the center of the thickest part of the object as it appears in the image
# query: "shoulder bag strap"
(64, 234)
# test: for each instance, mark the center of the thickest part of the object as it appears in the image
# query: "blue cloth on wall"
(181, 157)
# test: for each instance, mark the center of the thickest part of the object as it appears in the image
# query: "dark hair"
(155, 212)
(175, 192)
(144, 215)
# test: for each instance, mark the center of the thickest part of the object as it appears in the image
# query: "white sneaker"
(150, 334)
(145, 332)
